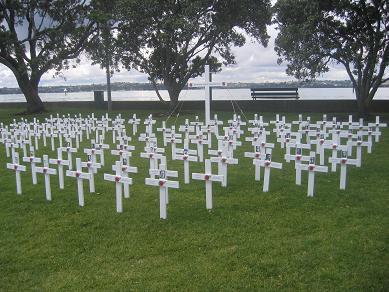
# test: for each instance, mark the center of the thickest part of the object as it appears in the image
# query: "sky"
(254, 64)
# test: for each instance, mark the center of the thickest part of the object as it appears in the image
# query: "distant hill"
(128, 86)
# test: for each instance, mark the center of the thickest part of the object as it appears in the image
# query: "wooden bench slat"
(274, 93)
(275, 89)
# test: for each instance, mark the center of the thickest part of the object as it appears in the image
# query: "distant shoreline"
(124, 86)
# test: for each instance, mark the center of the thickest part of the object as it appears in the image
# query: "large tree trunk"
(109, 92)
(174, 90)
(173, 106)
(363, 101)
(30, 91)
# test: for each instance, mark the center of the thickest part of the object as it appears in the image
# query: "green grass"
(280, 240)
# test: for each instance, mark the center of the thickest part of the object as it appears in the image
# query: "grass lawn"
(337, 240)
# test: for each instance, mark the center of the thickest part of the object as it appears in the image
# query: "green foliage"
(40, 35)
(36, 36)
(171, 41)
(353, 33)
(101, 47)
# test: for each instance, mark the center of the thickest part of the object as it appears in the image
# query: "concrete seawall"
(285, 106)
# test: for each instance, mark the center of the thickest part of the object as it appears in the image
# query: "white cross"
(134, 122)
(121, 132)
(369, 133)
(119, 180)
(197, 124)
(259, 130)
(47, 171)
(263, 145)
(325, 123)
(377, 125)
(186, 157)
(165, 131)
(267, 163)
(186, 128)
(336, 132)
(321, 144)
(350, 136)
(293, 143)
(33, 161)
(147, 138)
(343, 161)
(126, 169)
(312, 168)
(282, 131)
(163, 183)
(122, 150)
(52, 136)
(69, 150)
(199, 141)
(335, 148)
(298, 158)
(59, 134)
(101, 146)
(237, 121)
(93, 152)
(44, 132)
(60, 162)
(80, 176)
(15, 166)
(69, 138)
(208, 177)
(174, 139)
(92, 169)
(233, 129)
(124, 142)
(37, 136)
(256, 156)
(359, 144)
(223, 161)
(209, 129)
(11, 143)
(230, 143)
(152, 156)
(23, 143)
(350, 122)
(207, 85)
(258, 137)
(215, 124)
(149, 122)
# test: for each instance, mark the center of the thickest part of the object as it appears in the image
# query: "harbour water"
(218, 94)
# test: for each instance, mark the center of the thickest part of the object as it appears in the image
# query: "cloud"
(254, 64)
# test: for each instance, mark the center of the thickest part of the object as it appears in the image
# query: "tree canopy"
(172, 40)
(353, 33)
(39, 35)
(101, 48)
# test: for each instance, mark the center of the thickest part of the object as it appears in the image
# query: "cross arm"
(50, 171)
(58, 161)
(79, 175)
(32, 159)
(320, 168)
(16, 167)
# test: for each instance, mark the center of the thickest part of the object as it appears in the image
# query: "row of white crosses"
(224, 155)
(285, 138)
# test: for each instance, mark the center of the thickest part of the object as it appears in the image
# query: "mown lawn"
(338, 240)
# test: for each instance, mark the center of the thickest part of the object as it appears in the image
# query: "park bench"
(275, 93)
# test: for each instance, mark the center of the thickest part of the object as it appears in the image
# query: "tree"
(39, 35)
(172, 40)
(353, 33)
(101, 48)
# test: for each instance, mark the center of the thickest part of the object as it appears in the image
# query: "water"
(218, 94)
